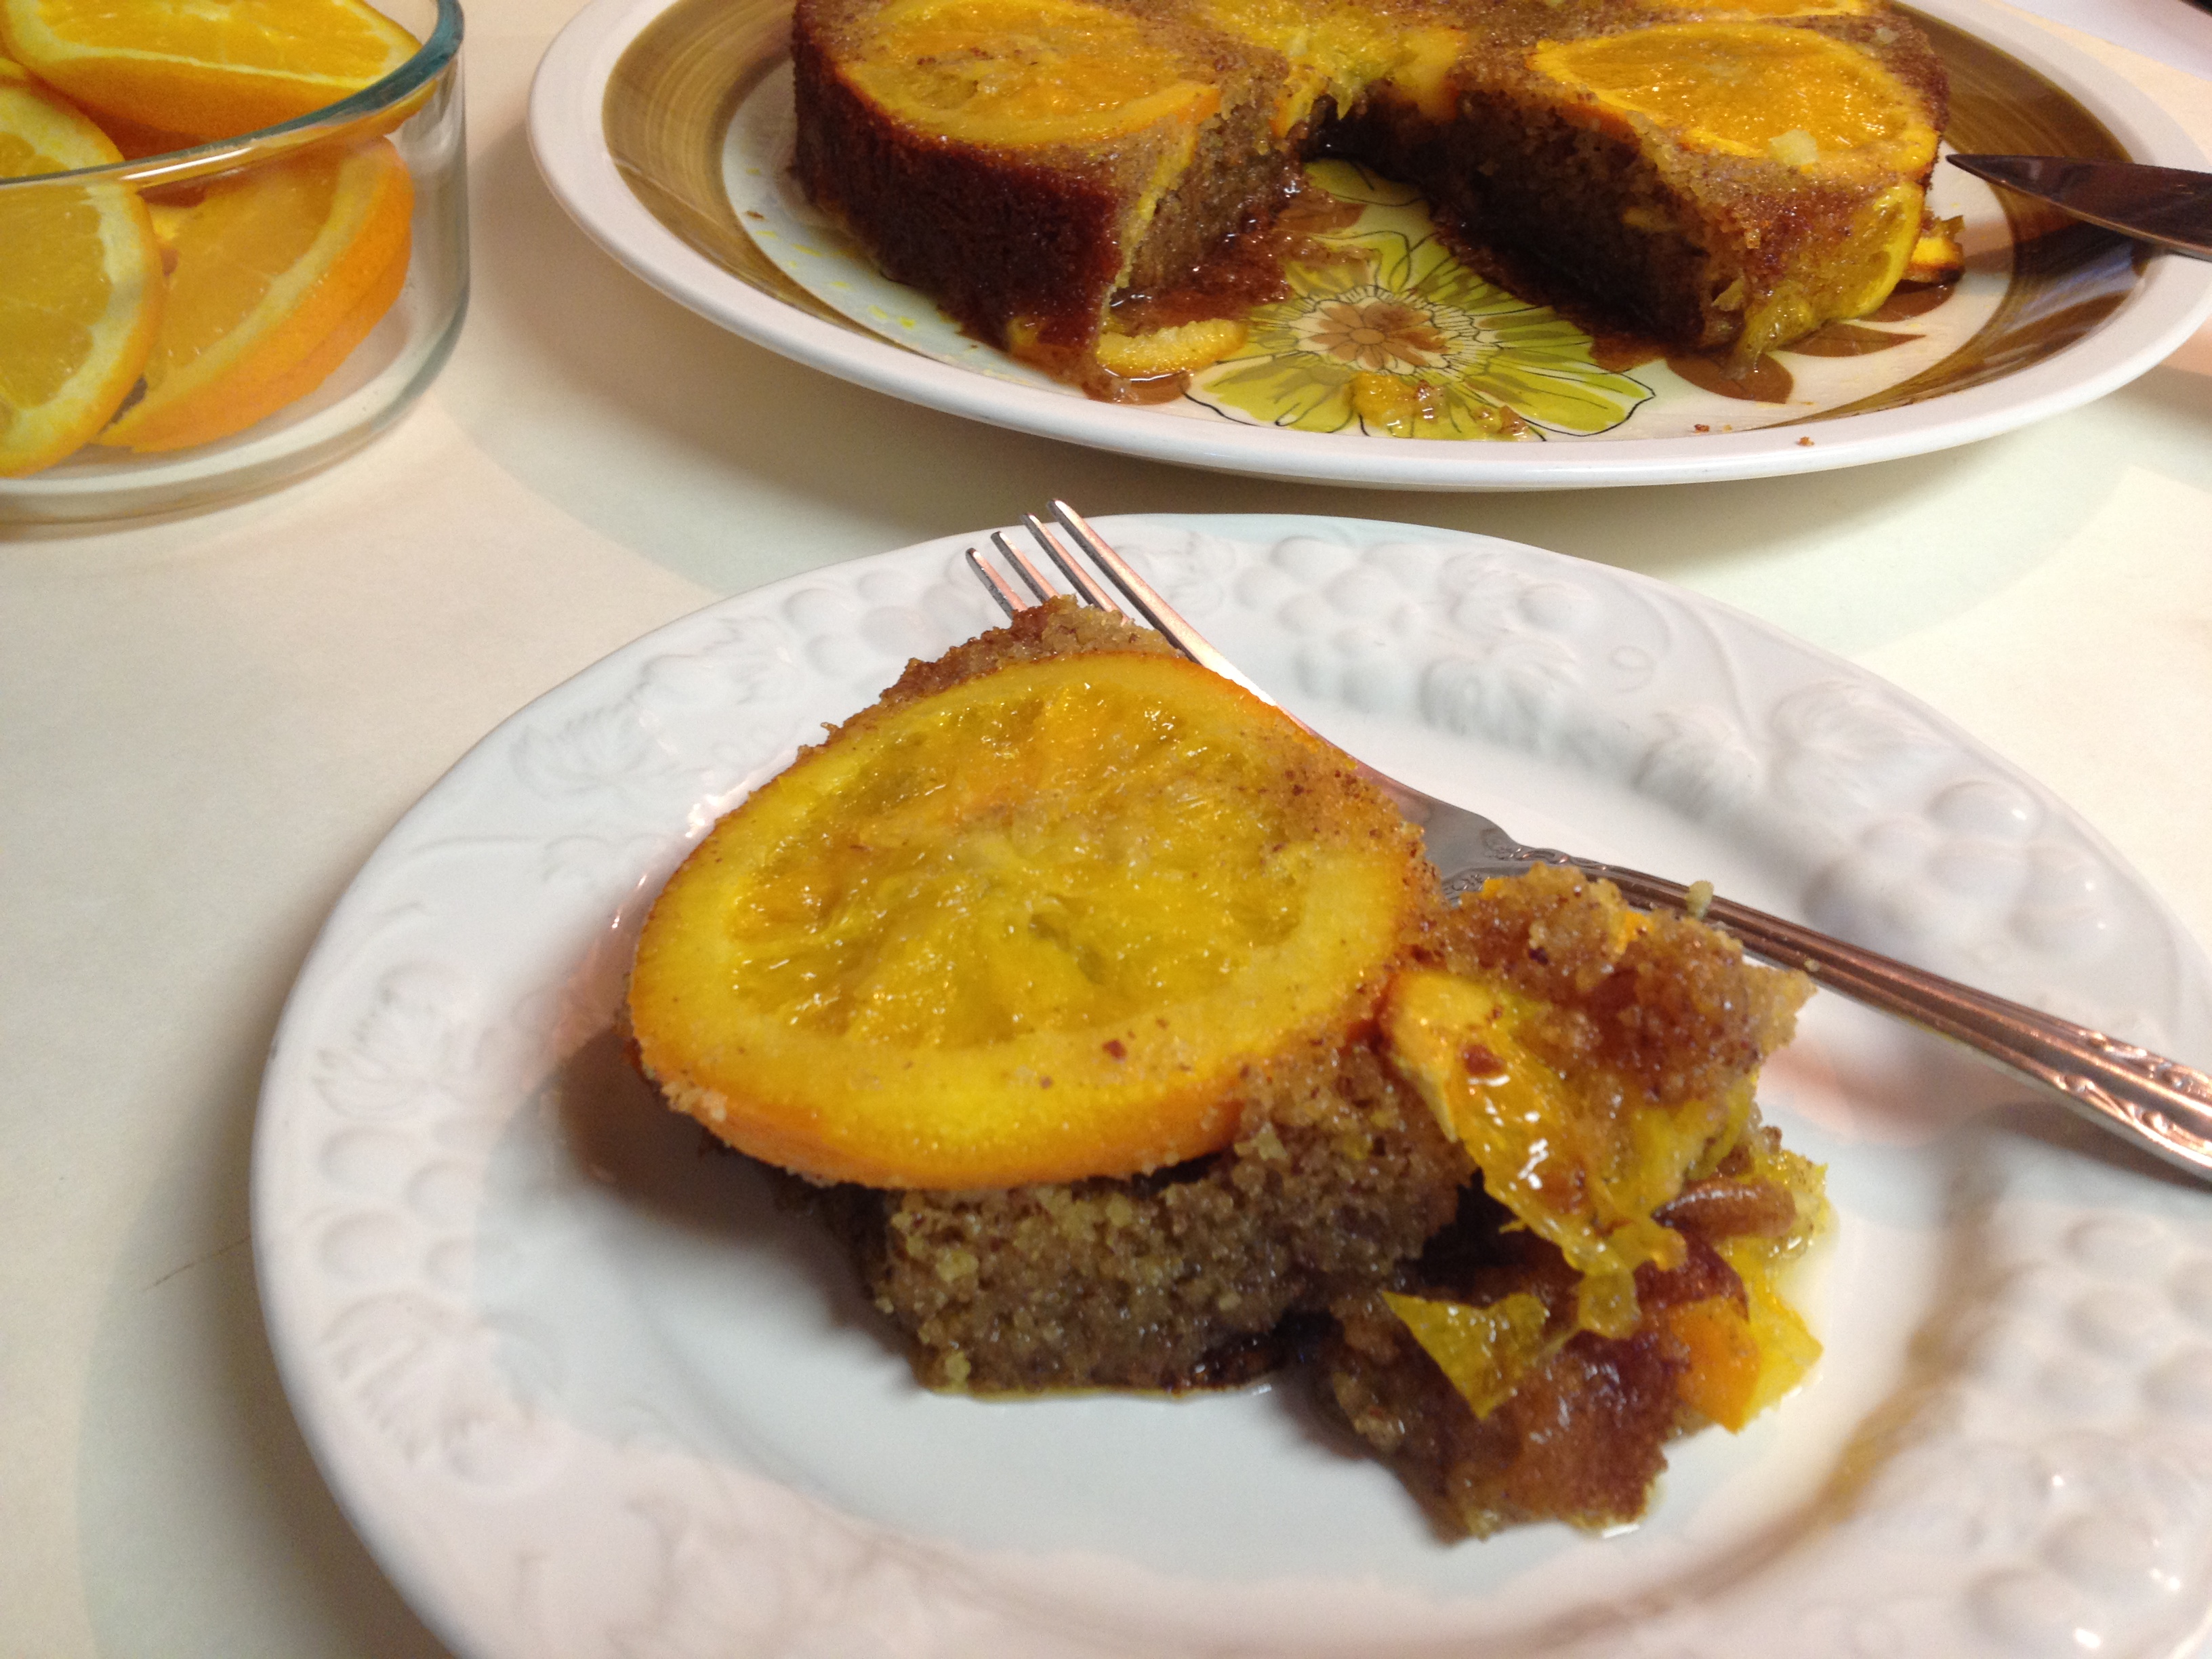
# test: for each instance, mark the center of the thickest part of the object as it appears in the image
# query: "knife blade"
(2170, 206)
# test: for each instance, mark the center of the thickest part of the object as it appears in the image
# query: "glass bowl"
(405, 134)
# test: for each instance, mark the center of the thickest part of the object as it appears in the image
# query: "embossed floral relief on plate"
(1394, 336)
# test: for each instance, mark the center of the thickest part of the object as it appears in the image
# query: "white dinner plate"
(586, 1392)
(664, 127)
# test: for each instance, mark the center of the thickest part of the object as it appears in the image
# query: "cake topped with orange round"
(1124, 1035)
(1028, 71)
(1023, 920)
(1717, 175)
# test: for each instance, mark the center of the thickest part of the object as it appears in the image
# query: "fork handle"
(2160, 1103)
(2117, 1085)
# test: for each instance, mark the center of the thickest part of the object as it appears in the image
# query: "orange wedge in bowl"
(279, 274)
(80, 280)
(211, 69)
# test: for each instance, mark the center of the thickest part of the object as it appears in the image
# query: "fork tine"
(1001, 590)
(1085, 583)
(1030, 573)
(1148, 603)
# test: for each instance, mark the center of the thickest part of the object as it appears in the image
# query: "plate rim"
(389, 1538)
(2170, 301)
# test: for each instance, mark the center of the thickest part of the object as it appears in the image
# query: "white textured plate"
(761, 274)
(587, 1394)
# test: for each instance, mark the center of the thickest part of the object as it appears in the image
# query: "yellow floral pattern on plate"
(1392, 335)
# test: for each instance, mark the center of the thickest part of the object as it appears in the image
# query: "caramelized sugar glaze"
(1720, 179)
(1122, 1031)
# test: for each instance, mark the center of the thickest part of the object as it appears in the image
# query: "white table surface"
(207, 723)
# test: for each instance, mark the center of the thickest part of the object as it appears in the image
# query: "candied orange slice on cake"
(1756, 89)
(80, 280)
(1766, 90)
(212, 69)
(279, 273)
(1343, 51)
(1032, 927)
(1026, 72)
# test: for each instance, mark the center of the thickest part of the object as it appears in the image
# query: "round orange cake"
(1723, 177)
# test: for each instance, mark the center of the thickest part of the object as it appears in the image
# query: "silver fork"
(2157, 1103)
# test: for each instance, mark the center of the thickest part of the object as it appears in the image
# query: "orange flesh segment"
(205, 71)
(1788, 1350)
(1186, 347)
(1032, 927)
(279, 274)
(1571, 1162)
(80, 282)
(1745, 1359)
(1722, 1379)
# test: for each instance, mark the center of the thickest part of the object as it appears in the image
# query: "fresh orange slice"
(1755, 88)
(204, 68)
(279, 274)
(80, 280)
(137, 143)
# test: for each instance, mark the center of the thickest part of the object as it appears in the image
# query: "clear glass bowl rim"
(437, 51)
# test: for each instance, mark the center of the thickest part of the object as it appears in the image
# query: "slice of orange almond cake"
(1123, 1032)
